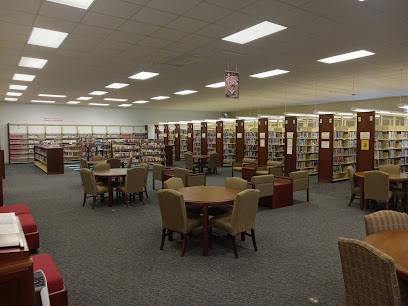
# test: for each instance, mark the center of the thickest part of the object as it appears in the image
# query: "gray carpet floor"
(111, 256)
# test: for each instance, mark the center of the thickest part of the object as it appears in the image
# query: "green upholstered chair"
(114, 163)
(134, 184)
(354, 188)
(90, 187)
(377, 187)
(83, 163)
(241, 219)
(98, 157)
(385, 220)
(175, 217)
(158, 171)
(300, 181)
(190, 164)
(272, 167)
(174, 183)
(146, 167)
(237, 166)
(190, 179)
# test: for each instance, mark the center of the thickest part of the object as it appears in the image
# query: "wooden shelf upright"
(239, 145)
(190, 139)
(290, 130)
(204, 145)
(326, 131)
(365, 128)
(219, 129)
(166, 134)
(262, 141)
(156, 132)
(177, 142)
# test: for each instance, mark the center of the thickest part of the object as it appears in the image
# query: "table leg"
(406, 196)
(361, 185)
(110, 191)
(205, 230)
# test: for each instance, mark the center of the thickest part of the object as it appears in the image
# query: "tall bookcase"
(196, 139)
(229, 143)
(211, 137)
(307, 146)
(251, 139)
(183, 140)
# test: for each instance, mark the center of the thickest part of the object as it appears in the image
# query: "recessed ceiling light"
(82, 4)
(42, 101)
(143, 75)
(141, 102)
(98, 104)
(23, 77)
(345, 57)
(125, 105)
(268, 73)
(73, 102)
(16, 94)
(18, 87)
(160, 98)
(32, 62)
(98, 93)
(10, 99)
(117, 85)
(216, 85)
(113, 99)
(52, 96)
(185, 92)
(46, 38)
(257, 31)
(84, 98)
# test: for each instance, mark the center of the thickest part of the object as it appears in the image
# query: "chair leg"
(145, 190)
(352, 198)
(253, 239)
(308, 194)
(83, 204)
(183, 248)
(127, 200)
(141, 197)
(163, 238)
(153, 184)
(243, 236)
(94, 201)
(234, 245)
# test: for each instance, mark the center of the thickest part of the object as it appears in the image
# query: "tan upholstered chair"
(242, 218)
(390, 169)
(158, 171)
(377, 187)
(385, 220)
(190, 164)
(354, 188)
(134, 183)
(90, 186)
(369, 274)
(212, 162)
(101, 167)
(174, 216)
(146, 167)
(300, 181)
(397, 191)
(174, 183)
(190, 179)
(83, 163)
(114, 163)
(272, 167)
(264, 183)
(98, 157)
(129, 162)
(237, 166)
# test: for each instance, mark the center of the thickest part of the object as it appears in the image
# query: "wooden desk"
(204, 196)
(117, 172)
(398, 178)
(394, 244)
(248, 171)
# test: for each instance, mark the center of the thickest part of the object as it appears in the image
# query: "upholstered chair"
(237, 166)
(98, 157)
(175, 218)
(264, 183)
(385, 220)
(114, 163)
(134, 183)
(101, 167)
(83, 163)
(377, 187)
(146, 167)
(174, 183)
(300, 181)
(90, 187)
(354, 188)
(272, 167)
(129, 162)
(212, 162)
(390, 169)
(190, 164)
(397, 191)
(158, 171)
(369, 274)
(190, 179)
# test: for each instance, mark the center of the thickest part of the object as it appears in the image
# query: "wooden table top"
(208, 195)
(95, 162)
(394, 244)
(394, 177)
(115, 172)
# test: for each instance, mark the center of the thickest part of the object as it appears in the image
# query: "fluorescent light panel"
(98, 93)
(10, 99)
(31, 62)
(82, 4)
(16, 94)
(98, 104)
(116, 85)
(267, 74)
(143, 75)
(52, 96)
(160, 98)
(141, 101)
(23, 77)
(125, 105)
(42, 101)
(262, 29)
(113, 99)
(185, 92)
(216, 85)
(84, 98)
(345, 57)
(18, 87)
(46, 38)
(73, 102)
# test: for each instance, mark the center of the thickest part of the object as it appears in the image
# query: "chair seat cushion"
(27, 223)
(101, 189)
(237, 168)
(262, 172)
(222, 222)
(45, 263)
(193, 221)
(121, 188)
(19, 209)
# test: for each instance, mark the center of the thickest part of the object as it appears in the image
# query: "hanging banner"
(232, 84)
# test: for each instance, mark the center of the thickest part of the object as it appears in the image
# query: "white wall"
(72, 114)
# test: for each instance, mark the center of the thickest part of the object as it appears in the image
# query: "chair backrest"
(213, 160)
(236, 183)
(369, 274)
(129, 162)
(390, 169)
(385, 220)
(182, 173)
(98, 157)
(88, 181)
(188, 157)
(135, 180)
(244, 211)
(300, 180)
(84, 163)
(158, 171)
(275, 167)
(352, 179)
(146, 167)
(264, 183)
(114, 163)
(174, 183)
(173, 210)
(101, 167)
(274, 163)
(247, 160)
(196, 180)
(376, 185)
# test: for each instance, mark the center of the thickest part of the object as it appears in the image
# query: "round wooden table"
(116, 172)
(394, 244)
(393, 177)
(204, 196)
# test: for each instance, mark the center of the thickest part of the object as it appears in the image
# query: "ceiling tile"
(295, 17)
(54, 24)
(151, 16)
(180, 47)
(169, 34)
(138, 2)
(29, 6)
(176, 7)
(59, 11)
(196, 40)
(16, 17)
(154, 42)
(85, 30)
(208, 12)
(103, 21)
(126, 37)
(115, 8)
(138, 51)
(106, 51)
(115, 45)
(239, 21)
(81, 43)
(215, 31)
(167, 54)
(186, 24)
(266, 9)
(138, 27)
(234, 4)
(14, 32)
(296, 2)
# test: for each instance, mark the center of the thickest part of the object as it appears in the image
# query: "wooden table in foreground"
(117, 172)
(204, 196)
(399, 178)
(394, 244)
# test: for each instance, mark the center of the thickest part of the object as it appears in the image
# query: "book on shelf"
(9, 231)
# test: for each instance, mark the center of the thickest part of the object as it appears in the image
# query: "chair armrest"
(260, 168)
(251, 184)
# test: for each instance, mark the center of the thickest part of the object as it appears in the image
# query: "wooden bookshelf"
(365, 127)
(211, 137)
(290, 155)
(251, 139)
(49, 159)
(229, 141)
(204, 140)
(183, 140)
(2, 176)
(196, 139)
(190, 138)
(263, 141)
(239, 144)
(326, 133)
(177, 142)
(219, 142)
(307, 145)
